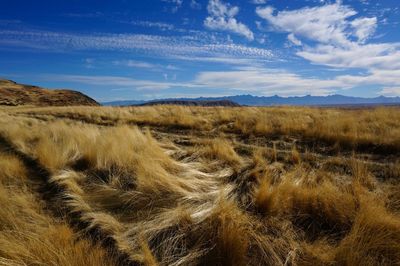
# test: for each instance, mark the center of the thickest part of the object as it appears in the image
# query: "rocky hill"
(13, 94)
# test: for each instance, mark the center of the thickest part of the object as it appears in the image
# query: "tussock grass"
(357, 128)
(199, 186)
(28, 235)
(296, 157)
(314, 207)
(374, 238)
(220, 150)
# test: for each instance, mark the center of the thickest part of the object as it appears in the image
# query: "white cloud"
(258, 2)
(339, 40)
(328, 24)
(369, 56)
(294, 40)
(325, 24)
(266, 82)
(390, 91)
(269, 82)
(389, 78)
(364, 28)
(222, 17)
(136, 64)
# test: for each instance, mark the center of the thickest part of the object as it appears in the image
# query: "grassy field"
(171, 185)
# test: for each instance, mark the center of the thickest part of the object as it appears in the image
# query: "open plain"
(173, 185)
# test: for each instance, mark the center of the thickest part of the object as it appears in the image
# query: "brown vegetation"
(169, 185)
(372, 129)
(28, 234)
(13, 94)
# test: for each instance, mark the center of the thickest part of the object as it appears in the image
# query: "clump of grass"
(296, 157)
(315, 208)
(264, 197)
(272, 153)
(392, 190)
(362, 175)
(12, 171)
(220, 149)
(374, 238)
(231, 236)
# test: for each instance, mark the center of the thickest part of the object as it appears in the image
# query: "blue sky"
(128, 49)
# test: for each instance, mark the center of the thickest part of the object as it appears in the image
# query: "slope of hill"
(13, 94)
(277, 100)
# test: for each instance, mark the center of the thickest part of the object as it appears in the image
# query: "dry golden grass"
(28, 235)
(171, 185)
(347, 127)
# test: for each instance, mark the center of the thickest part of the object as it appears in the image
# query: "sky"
(149, 49)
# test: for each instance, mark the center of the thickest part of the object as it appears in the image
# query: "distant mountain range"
(192, 103)
(12, 93)
(277, 100)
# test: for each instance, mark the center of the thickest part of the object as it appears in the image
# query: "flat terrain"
(186, 185)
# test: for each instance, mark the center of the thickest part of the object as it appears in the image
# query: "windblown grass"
(199, 186)
(28, 235)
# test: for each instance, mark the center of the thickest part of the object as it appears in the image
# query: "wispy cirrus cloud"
(144, 65)
(135, 63)
(151, 24)
(231, 61)
(195, 45)
(89, 15)
(258, 2)
(117, 82)
(176, 4)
